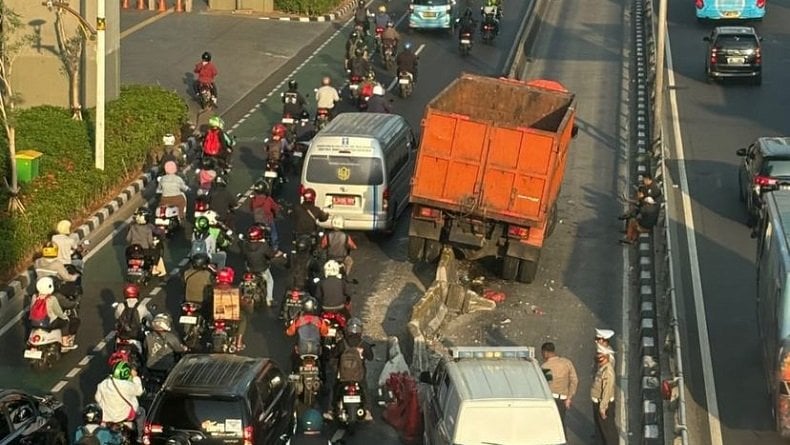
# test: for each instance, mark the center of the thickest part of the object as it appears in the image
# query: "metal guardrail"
(660, 153)
(517, 58)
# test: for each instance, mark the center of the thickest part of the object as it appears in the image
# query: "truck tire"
(432, 250)
(509, 268)
(416, 249)
(552, 221)
(527, 271)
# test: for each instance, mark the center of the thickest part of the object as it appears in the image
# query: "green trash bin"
(27, 165)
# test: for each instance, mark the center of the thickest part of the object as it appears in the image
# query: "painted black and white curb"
(651, 407)
(20, 286)
(338, 13)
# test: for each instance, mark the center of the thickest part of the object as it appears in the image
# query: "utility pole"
(661, 43)
(101, 25)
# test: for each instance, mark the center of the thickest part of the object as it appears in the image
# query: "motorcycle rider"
(141, 233)
(293, 101)
(117, 396)
(303, 265)
(492, 10)
(48, 265)
(54, 318)
(311, 328)
(466, 24)
(326, 97)
(332, 291)
(310, 426)
(360, 67)
(307, 215)
(222, 201)
(353, 341)
(264, 211)
(218, 140)
(258, 255)
(355, 41)
(339, 245)
(390, 37)
(162, 346)
(225, 278)
(378, 103)
(276, 147)
(172, 188)
(407, 61)
(93, 428)
(305, 130)
(66, 241)
(361, 15)
(206, 73)
(130, 326)
(198, 280)
(382, 18)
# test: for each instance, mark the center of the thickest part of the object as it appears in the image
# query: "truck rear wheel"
(527, 271)
(416, 249)
(432, 250)
(509, 268)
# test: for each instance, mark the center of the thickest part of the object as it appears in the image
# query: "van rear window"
(217, 417)
(345, 170)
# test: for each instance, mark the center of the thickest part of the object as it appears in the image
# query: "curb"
(18, 287)
(336, 14)
(517, 57)
(651, 406)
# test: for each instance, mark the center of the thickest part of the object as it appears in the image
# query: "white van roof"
(499, 379)
(381, 126)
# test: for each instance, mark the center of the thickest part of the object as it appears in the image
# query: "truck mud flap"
(523, 251)
(425, 229)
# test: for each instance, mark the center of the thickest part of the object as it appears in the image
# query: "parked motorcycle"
(465, 43)
(405, 83)
(192, 325)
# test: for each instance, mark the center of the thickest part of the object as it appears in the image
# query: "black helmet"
(200, 261)
(206, 56)
(303, 243)
(292, 84)
(361, 3)
(207, 163)
(354, 34)
(261, 187)
(304, 115)
(310, 305)
(141, 215)
(354, 326)
(92, 414)
(359, 52)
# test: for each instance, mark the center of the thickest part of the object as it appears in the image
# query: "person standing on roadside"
(562, 378)
(602, 395)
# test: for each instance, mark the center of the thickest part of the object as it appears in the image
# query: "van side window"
(397, 156)
(270, 386)
(443, 392)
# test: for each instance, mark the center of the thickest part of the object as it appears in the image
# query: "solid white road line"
(107, 239)
(696, 277)
(395, 80)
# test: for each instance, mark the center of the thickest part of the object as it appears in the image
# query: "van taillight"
(758, 56)
(517, 232)
(427, 212)
(248, 433)
(763, 181)
(713, 56)
(699, 4)
(301, 189)
(761, 3)
(385, 198)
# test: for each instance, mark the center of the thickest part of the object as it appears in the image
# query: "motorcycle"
(488, 30)
(365, 93)
(223, 336)
(201, 206)
(405, 83)
(271, 177)
(253, 287)
(354, 83)
(321, 118)
(205, 98)
(377, 36)
(44, 345)
(290, 126)
(388, 56)
(139, 266)
(337, 325)
(465, 43)
(166, 219)
(292, 306)
(307, 382)
(349, 405)
(192, 325)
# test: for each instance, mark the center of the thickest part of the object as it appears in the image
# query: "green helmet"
(201, 224)
(122, 371)
(217, 122)
(311, 421)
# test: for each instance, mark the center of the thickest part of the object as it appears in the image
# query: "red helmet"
(308, 195)
(255, 233)
(225, 275)
(131, 291)
(279, 130)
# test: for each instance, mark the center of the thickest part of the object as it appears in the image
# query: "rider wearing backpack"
(339, 245)
(131, 315)
(349, 359)
(216, 143)
(92, 432)
(162, 345)
(46, 312)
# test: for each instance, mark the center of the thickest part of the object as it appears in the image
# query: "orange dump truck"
(489, 168)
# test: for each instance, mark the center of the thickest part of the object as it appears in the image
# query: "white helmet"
(45, 285)
(211, 216)
(169, 139)
(332, 269)
(378, 90)
(338, 222)
(162, 322)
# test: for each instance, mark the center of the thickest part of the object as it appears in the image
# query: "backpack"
(88, 438)
(351, 366)
(212, 144)
(128, 324)
(361, 15)
(39, 318)
(199, 245)
(336, 245)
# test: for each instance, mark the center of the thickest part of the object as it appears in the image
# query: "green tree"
(70, 53)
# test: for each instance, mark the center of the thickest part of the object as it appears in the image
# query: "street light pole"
(101, 25)
(661, 43)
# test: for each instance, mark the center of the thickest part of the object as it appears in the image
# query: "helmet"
(216, 122)
(199, 261)
(162, 322)
(207, 163)
(135, 251)
(378, 90)
(293, 84)
(311, 421)
(256, 233)
(45, 285)
(201, 224)
(63, 227)
(170, 167)
(326, 80)
(304, 115)
(354, 326)
(390, 24)
(279, 130)
(261, 187)
(361, 3)
(141, 215)
(50, 250)
(226, 275)
(382, 9)
(310, 305)
(332, 269)
(131, 291)
(407, 46)
(206, 56)
(122, 370)
(168, 140)
(303, 244)
(211, 217)
(308, 195)
(359, 52)
(354, 34)
(338, 222)
(92, 414)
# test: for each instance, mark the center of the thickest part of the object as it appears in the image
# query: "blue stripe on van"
(375, 205)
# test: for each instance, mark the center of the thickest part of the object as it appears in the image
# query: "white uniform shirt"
(112, 396)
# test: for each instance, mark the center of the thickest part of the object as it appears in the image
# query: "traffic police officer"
(602, 395)
(562, 378)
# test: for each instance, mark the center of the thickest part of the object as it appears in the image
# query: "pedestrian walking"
(561, 375)
(602, 395)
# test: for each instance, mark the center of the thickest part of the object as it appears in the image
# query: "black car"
(734, 52)
(215, 399)
(765, 167)
(28, 419)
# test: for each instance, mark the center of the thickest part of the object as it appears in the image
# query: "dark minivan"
(734, 52)
(222, 399)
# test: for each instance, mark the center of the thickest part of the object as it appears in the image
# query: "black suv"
(27, 419)
(766, 167)
(734, 51)
(215, 399)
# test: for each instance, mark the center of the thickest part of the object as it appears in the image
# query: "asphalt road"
(715, 120)
(580, 283)
(388, 282)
